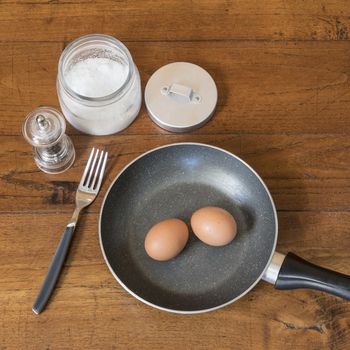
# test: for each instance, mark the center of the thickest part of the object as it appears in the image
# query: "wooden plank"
(282, 71)
(303, 172)
(92, 311)
(37, 235)
(263, 88)
(176, 20)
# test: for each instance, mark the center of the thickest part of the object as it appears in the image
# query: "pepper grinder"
(44, 128)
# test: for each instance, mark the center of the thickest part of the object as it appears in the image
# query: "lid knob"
(181, 93)
(42, 122)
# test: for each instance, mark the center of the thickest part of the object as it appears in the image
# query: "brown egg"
(166, 239)
(214, 226)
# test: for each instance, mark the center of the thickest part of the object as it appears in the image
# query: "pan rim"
(169, 309)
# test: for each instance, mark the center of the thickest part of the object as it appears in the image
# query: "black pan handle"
(295, 272)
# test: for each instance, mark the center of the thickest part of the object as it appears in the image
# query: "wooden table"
(282, 70)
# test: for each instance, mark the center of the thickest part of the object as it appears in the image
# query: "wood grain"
(176, 20)
(90, 310)
(303, 172)
(282, 71)
(263, 88)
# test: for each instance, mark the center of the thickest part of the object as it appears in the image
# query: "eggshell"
(214, 226)
(166, 239)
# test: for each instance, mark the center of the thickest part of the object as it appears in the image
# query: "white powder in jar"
(96, 77)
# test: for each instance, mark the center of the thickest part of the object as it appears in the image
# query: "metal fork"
(89, 186)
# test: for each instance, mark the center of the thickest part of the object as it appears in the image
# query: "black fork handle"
(54, 270)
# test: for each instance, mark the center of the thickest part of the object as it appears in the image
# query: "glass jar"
(98, 85)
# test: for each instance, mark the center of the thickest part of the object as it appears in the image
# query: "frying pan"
(174, 181)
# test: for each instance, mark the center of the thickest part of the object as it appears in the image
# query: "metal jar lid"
(181, 96)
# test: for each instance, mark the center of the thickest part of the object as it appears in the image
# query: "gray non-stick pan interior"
(174, 181)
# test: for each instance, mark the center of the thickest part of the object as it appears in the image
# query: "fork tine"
(97, 170)
(87, 184)
(102, 172)
(87, 166)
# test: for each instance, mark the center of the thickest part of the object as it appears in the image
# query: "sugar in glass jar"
(98, 85)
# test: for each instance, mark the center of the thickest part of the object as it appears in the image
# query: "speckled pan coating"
(174, 181)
